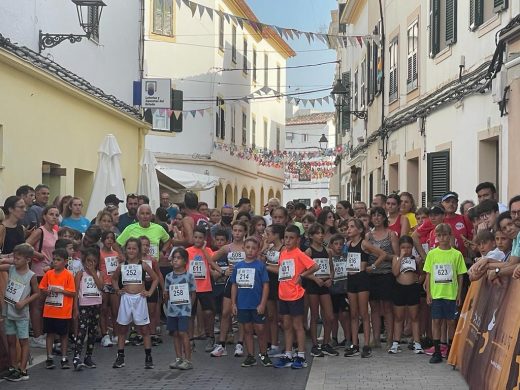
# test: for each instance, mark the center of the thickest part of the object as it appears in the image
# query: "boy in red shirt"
(293, 265)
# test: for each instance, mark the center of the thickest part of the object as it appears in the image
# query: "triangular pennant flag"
(326, 99)
(359, 40)
(340, 41)
(240, 23)
(186, 2)
(201, 10)
(289, 33)
(169, 112)
(266, 89)
(308, 36)
(290, 99)
(304, 102)
(226, 16)
(297, 101)
(245, 100)
(352, 41)
(177, 114)
(321, 37)
(210, 12)
(178, 3)
(201, 112)
(234, 19)
(185, 114)
(365, 41)
(193, 113)
(279, 30)
(297, 33)
(312, 102)
(319, 101)
(312, 36)
(193, 7)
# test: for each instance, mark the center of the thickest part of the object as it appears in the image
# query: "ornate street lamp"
(323, 142)
(89, 14)
(339, 93)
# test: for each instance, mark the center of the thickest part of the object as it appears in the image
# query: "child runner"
(89, 284)
(249, 297)
(109, 261)
(305, 241)
(179, 293)
(444, 268)
(257, 228)
(407, 291)
(21, 290)
(128, 282)
(293, 265)
(317, 289)
(59, 289)
(234, 253)
(359, 284)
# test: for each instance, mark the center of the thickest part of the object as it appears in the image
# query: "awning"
(186, 180)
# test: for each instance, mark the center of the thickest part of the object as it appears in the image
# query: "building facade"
(442, 129)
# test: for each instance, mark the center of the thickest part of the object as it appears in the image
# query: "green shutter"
(345, 108)
(177, 105)
(370, 81)
(476, 14)
(499, 5)
(157, 16)
(451, 22)
(438, 168)
(435, 19)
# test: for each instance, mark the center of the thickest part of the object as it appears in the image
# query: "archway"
(252, 198)
(219, 196)
(228, 195)
(244, 193)
(235, 195)
(262, 198)
(270, 194)
(279, 196)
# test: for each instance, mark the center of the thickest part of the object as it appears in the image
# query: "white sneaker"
(274, 352)
(106, 342)
(394, 348)
(38, 342)
(114, 340)
(239, 350)
(417, 348)
(218, 351)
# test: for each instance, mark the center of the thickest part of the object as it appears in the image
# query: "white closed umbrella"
(109, 179)
(148, 181)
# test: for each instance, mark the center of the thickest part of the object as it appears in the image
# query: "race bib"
(111, 264)
(353, 262)
(132, 274)
(198, 269)
(408, 265)
(272, 257)
(13, 292)
(442, 273)
(179, 294)
(148, 262)
(324, 270)
(340, 269)
(246, 277)
(54, 298)
(70, 264)
(286, 270)
(89, 288)
(236, 257)
(153, 251)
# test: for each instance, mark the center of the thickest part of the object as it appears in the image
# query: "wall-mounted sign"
(156, 93)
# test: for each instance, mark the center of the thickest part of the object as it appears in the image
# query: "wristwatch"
(497, 270)
(373, 267)
(222, 272)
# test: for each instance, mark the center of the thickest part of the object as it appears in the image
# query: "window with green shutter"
(476, 14)
(500, 5)
(435, 24)
(346, 108)
(451, 22)
(438, 175)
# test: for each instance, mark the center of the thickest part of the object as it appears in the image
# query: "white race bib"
(153, 251)
(340, 269)
(442, 273)
(179, 294)
(324, 270)
(236, 257)
(286, 270)
(198, 269)
(111, 264)
(246, 277)
(272, 257)
(54, 298)
(131, 274)
(149, 264)
(89, 288)
(353, 262)
(13, 292)
(408, 264)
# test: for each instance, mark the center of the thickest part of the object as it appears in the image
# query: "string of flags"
(285, 33)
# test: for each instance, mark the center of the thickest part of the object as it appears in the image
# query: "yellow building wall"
(43, 119)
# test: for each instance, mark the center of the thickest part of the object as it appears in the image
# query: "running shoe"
(353, 350)
(88, 362)
(65, 364)
(249, 362)
(283, 362)
(327, 349)
(38, 342)
(49, 363)
(148, 362)
(417, 349)
(367, 352)
(265, 360)
(17, 376)
(436, 358)
(394, 349)
(120, 361)
(218, 351)
(239, 350)
(8, 372)
(316, 351)
(185, 365)
(299, 362)
(106, 341)
(176, 363)
(76, 363)
(210, 344)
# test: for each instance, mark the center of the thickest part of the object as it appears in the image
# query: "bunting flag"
(285, 33)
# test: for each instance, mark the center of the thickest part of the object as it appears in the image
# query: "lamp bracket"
(47, 40)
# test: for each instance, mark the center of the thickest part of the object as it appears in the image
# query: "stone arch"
(245, 194)
(228, 195)
(219, 196)
(262, 197)
(235, 195)
(279, 196)
(252, 198)
(270, 194)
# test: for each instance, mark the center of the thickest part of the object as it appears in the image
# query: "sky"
(305, 15)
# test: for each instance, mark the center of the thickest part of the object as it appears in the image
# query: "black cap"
(243, 201)
(113, 199)
(448, 195)
(437, 209)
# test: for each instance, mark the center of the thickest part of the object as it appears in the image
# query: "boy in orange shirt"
(293, 266)
(59, 288)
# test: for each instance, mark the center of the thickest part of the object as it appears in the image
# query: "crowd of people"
(388, 270)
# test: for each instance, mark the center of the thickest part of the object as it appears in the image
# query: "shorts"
(178, 324)
(207, 302)
(57, 326)
(245, 316)
(444, 309)
(165, 270)
(358, 282)
(109, 289)
(407, 295)
(154, 298)
(273, 286)
(292, 308)
(133, 308)
(311, 287)
(218, 296)
(339, 303)
(18, 328)
(381, 287)
(227, 289)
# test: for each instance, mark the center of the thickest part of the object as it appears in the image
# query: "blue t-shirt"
(249, 278)
(179, 310)
(80, 224)
(125, 220)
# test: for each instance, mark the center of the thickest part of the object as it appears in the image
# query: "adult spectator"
(165, 203)
(113, 200)
(290, 209)
(487, 190)
(11, 232)
(299, 211)
(244, 204)
(143, 199)
(271, 205)
(396, 221)
(360, 208)
(465, 206)
(132, 203)
(344, 210)
(461, 226)
(110, 200)
(26, 192)
(203, 208)
(407, 208)
(73, 216)
(487, 214)
(226, 218)
(41, 195)
(316, 206)
(379, 201)
(192, 220)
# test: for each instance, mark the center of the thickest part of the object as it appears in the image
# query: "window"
(244, 66)
(438, 169)
(234, 44)
(233, 118)
(289, 136)
(356, 90)
(161, 120)
(413, 40)
(370, 74)
(345, 107)
(305, 137)
(443, 25)
(220, 119)
(278, 80)
(221, 31)
(266, 70)
(362, 84)
(254, 65)
(277, 139)
(244, 129)
(162, 17)
(394, 74)
(483, 10)
(253, 133)
(266, 126)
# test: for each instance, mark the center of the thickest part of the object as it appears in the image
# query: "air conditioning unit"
(361, 139)
(497, 87)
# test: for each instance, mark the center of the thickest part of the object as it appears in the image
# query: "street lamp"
(323, 142)
(89, 14)
(340, 93)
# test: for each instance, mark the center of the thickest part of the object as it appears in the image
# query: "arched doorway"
(228, 195)
(219, 196)
(252, 198)
(270, 194)
(235, 195)
(279, 195)
(262, 197)
(244, 193)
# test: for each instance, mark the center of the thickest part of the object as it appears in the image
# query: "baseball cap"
(113, 199)
(243, 201)
(448, 195)
(437, 209)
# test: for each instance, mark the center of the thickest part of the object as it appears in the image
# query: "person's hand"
(516, 272)
(492, 275)
(228, 272)
(146, 293)
(299, 280)
(56, 289)
(235, 310)
(458, 301)
(260, 309)
(165, 296)
(20, 305)
(318, 281)
(328, 283)
(204, 245)
(429, 299)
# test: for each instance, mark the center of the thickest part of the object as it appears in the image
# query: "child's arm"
(396, 266)
(428, 293)
(5, 267)
(35, 293)
(234, 291)
(417, 244)
(379, 253)
(155, 280)
(260, 309)
(157, 270)
(459, 289)
(115, 280)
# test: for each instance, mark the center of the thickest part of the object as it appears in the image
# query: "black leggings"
(87, 326)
